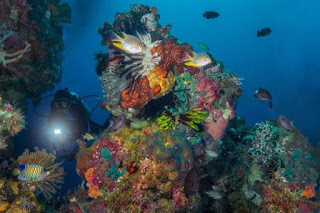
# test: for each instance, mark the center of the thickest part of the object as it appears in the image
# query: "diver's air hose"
(87, 96)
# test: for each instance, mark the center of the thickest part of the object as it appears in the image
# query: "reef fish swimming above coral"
(172, 140)
(128, 43)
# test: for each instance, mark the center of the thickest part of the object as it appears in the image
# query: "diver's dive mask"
(62, 101)
(61, 104)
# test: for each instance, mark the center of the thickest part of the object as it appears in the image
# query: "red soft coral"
(172, 54)
(140, 95)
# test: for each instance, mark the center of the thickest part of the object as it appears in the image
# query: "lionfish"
(39, 170)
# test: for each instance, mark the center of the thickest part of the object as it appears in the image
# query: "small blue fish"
(32, 172)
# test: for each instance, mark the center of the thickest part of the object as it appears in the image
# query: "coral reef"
(151, 165)
(180, 146)
(160, 56)
(13, 199)
(264, 169)
(11, 122)
(20, 195)
(31, 47)
(76, 201)
(6, 57)
(54, 177)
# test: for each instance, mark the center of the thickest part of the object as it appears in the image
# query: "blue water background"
(286, 62)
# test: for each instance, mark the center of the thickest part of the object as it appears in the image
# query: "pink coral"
(210, 91)
(216, 126)
(101, 165)
(139, 192)
(154, 10)
(8, 107)
(179, 197)
(144, 165)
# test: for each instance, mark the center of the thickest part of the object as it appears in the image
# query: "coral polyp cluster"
(30, 47)
(174, 142)
(182, 132)
(11, 122)
(153, 165)
(5, 56)
(161, 55)
(139, 95)
(19, 194)
(284, 196)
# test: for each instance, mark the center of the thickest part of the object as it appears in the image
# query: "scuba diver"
(69, 119)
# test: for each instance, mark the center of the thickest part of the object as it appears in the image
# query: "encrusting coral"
(5, 56)
(11, 122)
(31, 47)
(180, 133)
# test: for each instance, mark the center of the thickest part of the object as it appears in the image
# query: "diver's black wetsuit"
(68, 110)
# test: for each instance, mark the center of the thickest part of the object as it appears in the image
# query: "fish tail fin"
(270, 104)
(292, 125)
(190, 63)
(258, 34)
(117, 38)
(187, 57)
(118, 44)
(124, 35)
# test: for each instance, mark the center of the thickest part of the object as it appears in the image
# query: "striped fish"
(32, 172)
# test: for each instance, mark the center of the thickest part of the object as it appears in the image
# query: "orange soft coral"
(94, 191)
(309, 191)
(140, 95)
(89, 174)
(83, 157)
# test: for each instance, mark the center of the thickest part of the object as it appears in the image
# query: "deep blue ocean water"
(287, 62)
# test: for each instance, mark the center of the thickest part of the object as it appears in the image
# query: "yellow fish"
(198, 59)
(89, 136)
(128, 43)
(32, 172)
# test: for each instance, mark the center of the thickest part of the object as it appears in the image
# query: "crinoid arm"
(49, 183)
(194, 118)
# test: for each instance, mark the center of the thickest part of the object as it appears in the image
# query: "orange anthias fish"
(309, 191)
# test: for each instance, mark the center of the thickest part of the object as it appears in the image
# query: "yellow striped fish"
(32, 172)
